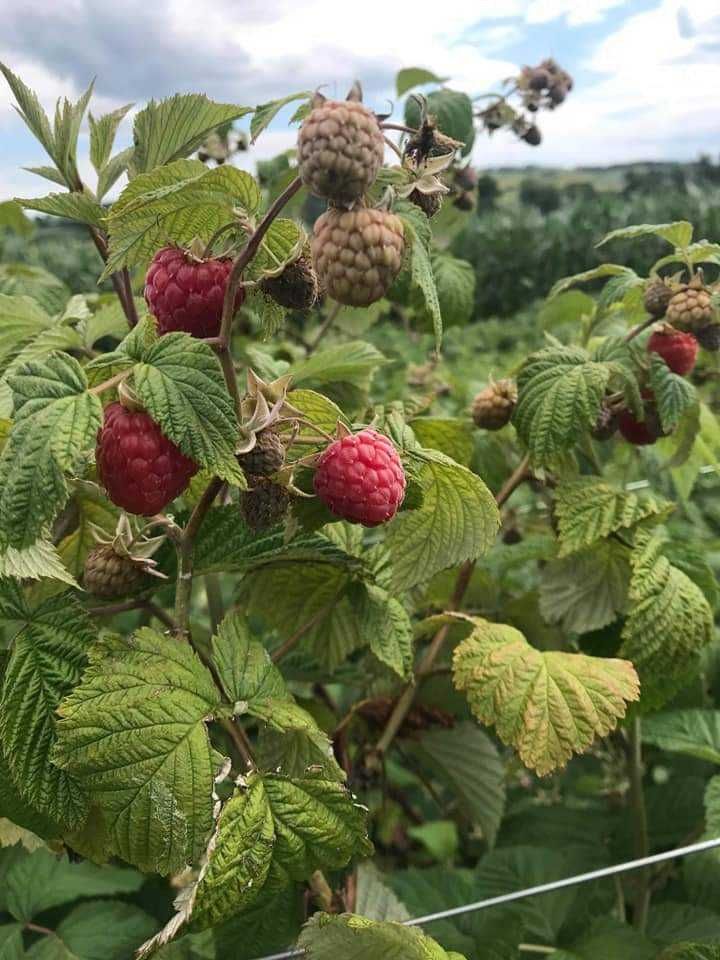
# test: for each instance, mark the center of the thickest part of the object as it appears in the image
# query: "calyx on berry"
(119, 566)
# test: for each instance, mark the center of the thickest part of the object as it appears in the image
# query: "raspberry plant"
(213, 672)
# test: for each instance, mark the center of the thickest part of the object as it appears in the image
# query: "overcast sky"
(647, 72)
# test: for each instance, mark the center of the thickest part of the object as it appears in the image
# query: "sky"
(646, 72)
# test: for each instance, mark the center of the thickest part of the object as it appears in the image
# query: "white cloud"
(575, 11)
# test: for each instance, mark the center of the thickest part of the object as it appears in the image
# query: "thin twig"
(185, 558)
(157, 611)
(639, 329)
(327, 323)
(109, 384)
(239, 738)
(214, 596)
(37, 928)
(405, 701)
(641, 902)
(400, 127)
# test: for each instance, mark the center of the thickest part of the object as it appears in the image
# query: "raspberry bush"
(317, 610)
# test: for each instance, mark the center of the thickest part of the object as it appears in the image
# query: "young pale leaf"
(265, 113)
(180, 383)
(455, 285)
(173, 128)
(547, 705)
(674, 395)
(452, 436)
(102, 135)
(46, 662)
(174, 204)
(329, 936)
(458, 521)
(56, 421)
(694, 733)
(468, 760)
(134, 733)
(410, 77)
(669, 621)
(560, 392)
(77, 206)
(30, 110)
(679, 233)
(588, 509)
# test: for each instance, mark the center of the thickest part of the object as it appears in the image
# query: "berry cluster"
(546, 85)
(357, 251)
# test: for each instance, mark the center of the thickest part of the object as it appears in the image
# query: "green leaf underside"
(46, 662)
(695, 733)
(586, 591)
(133, 732)
(548, 705)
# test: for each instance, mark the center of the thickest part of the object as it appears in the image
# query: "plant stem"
(640, 827)
(109, 384)
(398, 126)
(214, 600)
(36, 928)
(185, 558)
(293, 640)
(245, 256)
(157, 611)
(239, 738)
(639, 329)
(536, 948)
(326, 324)
(405, 701)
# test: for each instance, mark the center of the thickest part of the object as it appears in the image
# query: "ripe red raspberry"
(139, 467)
(361, 479)
(187, 294)
(641, 433)
(678, 350)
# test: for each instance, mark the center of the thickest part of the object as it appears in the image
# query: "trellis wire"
(541, 888)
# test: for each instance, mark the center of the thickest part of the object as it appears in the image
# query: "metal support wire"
(542, 888)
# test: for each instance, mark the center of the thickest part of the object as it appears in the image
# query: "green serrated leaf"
(13, 218)
(411, 77)
(30, 110)
(452, 436)
(21, 320)
(588, 590)
(175, 204)
(674, 394)
(458, 521)
(679, 234)
(265, 113)
(102, 135)
(467, 759)
(352, 362)
(595, 273)
(547, 705)
(134, 734)
(455, 284)
(80, 207)
(588, 509)
(172, 129)
(46, 662)
(329, 936)
(21, 279)
(453, 112)
(113, 170)
(386, 625)
(560, 393)
(694, 733)
(180, 383)
(56, 420)
(669, 621)
(39, 561)
(422, 280)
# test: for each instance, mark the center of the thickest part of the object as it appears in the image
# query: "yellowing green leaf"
(669, 621)
(547, 705)
(330, 936)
